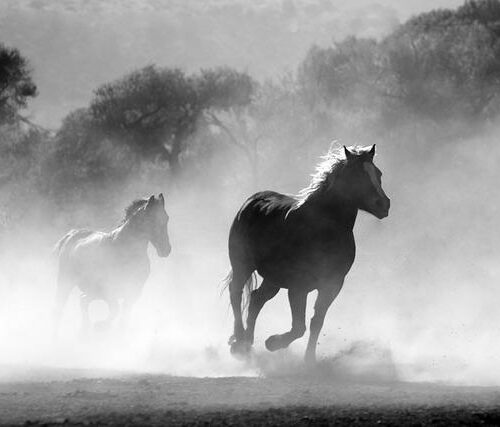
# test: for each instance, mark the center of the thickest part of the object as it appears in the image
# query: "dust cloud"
(418, 305)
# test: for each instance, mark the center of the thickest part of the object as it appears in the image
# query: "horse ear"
(372, 152)
(151, 202)
(348, 154)
(161, 199)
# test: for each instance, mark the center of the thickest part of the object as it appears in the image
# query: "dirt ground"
(117, 399)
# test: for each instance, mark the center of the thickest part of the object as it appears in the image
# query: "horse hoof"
(273, 343)
(240, 348)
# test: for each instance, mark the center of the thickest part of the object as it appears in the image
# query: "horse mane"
(329, 167)
(133, 208)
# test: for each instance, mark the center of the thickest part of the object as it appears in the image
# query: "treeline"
(432, 80)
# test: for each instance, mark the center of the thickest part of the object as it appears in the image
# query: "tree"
(81, 159)
(342, 74)
(441, 65)
(20, 139)
(341, 86)
(155, 110)
(278, 127)
(446, 64)
(229, 95)
(16, 85)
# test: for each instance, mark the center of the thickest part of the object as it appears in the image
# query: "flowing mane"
(329, 167)
(326, 170)
(132, 209)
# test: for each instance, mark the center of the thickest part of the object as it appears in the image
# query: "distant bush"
(16, 84)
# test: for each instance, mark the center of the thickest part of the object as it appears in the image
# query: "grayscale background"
(417, 322)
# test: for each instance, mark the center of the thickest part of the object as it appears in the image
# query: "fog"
(418, 305)
(76, 46)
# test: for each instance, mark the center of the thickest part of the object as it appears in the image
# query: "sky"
(75, 45)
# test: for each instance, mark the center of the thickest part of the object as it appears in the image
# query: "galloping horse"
(301, 243)
(113, 266)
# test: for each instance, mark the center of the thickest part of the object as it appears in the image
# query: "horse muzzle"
(381, 208)
(164, 252)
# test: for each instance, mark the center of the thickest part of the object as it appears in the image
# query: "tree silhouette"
(16, 85)
(155, 110)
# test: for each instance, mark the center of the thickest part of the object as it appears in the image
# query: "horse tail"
(226, 281)
(250, 285)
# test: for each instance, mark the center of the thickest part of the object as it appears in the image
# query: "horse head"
(157, 225)
(361, 180)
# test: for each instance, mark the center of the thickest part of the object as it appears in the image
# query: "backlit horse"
(302, 243)
(113, 266)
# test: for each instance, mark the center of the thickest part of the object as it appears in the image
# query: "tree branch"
(217, 122)
(144, 116)
(33, 125)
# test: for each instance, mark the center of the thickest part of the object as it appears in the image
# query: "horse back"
(286, 247)
(263, 210)
(99, 266)
(258, 225)
(70, 239)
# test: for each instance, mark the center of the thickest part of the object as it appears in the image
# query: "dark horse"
(113, 266)
(301, 244)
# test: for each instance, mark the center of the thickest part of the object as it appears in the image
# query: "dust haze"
(420, 303)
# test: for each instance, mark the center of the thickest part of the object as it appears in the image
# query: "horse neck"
(330, 207)
(130, 235)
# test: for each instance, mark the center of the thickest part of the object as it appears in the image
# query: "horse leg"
(258, 298)
(114, 308)
(126, 309)
(84, 309)
(236, 285)
(64, 287)
(298, 301)
(323, 301)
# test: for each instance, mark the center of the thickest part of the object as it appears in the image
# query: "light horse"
(113, 266)
(302, 244)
